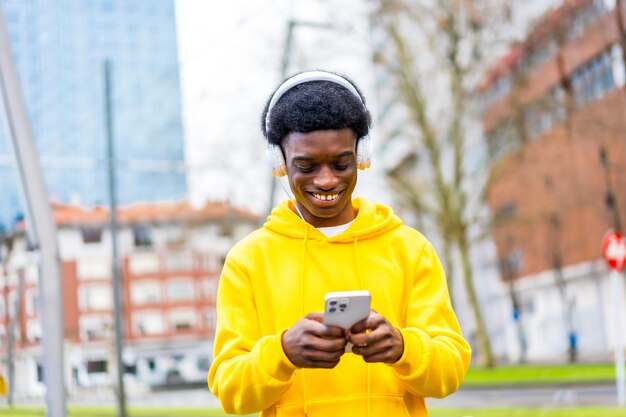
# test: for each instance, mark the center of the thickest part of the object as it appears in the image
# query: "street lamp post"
(117, 290)
(291, 25)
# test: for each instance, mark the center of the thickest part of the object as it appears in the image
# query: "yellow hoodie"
(279, 273)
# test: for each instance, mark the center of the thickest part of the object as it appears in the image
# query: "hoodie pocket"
(379, 406)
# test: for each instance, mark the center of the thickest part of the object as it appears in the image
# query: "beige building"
(171, 258)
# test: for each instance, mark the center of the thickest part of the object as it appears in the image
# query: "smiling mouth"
(326, 197)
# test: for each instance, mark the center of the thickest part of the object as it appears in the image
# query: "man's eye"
(342, 167)
(306, 169)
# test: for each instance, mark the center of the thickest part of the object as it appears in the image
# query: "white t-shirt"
(334, 230)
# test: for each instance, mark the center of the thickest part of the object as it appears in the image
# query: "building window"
(505, 212)
(31, 274)
(541, 116)
(179, 262)
(209, 288)
(210, 318)
(93, 267)
(148, 323)
(226, 230)
(583, 18)
(12, 304)
(540, 54)
(142, 235)
(144, 263)
(91, 234)
(617, 63)
(33, 331)
(182, 320)
(95, 297)
(592, 80)
(130, 369)
(96, 366)
(39, 371)
(94, 327)
(498, 89)
(210, 261)
(503, 139)
(32, 302)
(181, 289)
(556, 103)
(145, 292)
(607, 5)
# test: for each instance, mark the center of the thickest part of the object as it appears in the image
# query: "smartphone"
(346, 308)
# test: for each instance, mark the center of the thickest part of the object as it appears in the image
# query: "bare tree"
(435, 52)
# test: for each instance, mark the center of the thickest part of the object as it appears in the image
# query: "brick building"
(554, 118)
(171, 258)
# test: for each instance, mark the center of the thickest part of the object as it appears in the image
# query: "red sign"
(614, 250)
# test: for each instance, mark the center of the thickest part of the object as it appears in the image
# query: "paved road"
(544, 396)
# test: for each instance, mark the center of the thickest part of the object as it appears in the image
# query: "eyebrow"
(308, 158)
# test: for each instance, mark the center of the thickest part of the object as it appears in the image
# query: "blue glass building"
(60, 47)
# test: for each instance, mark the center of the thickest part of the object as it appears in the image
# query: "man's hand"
(311, 344)
(376, 339)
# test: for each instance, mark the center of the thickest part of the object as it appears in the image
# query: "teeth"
(325, 197)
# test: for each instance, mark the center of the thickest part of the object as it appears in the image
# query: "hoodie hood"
(371, 220)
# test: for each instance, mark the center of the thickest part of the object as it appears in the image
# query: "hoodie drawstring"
(358, 263)
(360, 278)
(301, 284)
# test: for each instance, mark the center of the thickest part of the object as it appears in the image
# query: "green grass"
(75, 411)
(540, 374)
(529, 412)
(80, 411)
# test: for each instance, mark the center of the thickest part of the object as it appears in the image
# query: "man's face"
(321, 167)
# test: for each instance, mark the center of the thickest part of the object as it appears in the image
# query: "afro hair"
(316, 105)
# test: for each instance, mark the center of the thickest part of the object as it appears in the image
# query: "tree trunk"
(468, 278)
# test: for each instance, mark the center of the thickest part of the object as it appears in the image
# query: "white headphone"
(275, 153)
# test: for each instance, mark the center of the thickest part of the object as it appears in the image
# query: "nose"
(325, 179)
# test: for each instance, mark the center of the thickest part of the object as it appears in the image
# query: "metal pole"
(40, 227)
(291, 25)
(616, 296)
(14, 319)
(117, 290)
(283, 74)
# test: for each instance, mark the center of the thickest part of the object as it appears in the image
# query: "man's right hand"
(311, 344)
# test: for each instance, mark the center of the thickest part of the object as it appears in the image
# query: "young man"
(272, 352)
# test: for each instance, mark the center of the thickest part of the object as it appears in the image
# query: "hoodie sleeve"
(436, 356)
(250, 371)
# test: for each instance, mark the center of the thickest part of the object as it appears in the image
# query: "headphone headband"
(305, 77)
(275, 153)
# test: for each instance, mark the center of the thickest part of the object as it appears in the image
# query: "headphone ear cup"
(276, 160)
(364, 153)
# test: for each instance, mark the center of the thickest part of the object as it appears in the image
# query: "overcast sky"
(230, 57)
(230, 61)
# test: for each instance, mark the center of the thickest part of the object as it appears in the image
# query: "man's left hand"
(376, 339)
